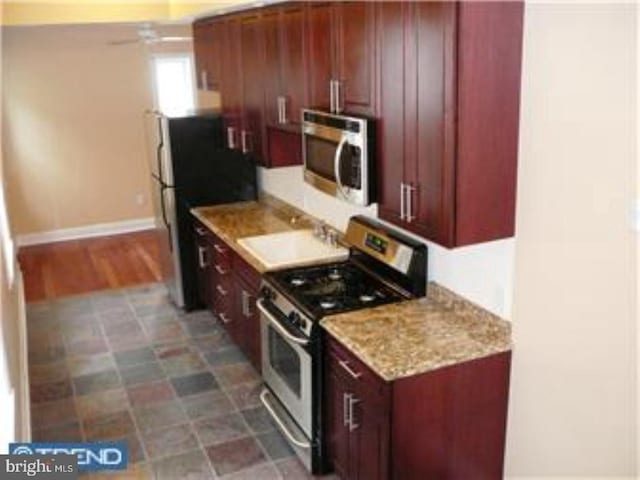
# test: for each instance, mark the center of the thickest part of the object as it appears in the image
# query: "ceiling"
(48, 12)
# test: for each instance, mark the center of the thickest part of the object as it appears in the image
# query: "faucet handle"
(320, 230)
(332, 237)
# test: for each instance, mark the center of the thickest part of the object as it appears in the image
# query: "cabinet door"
(320, 47)
(230, 89)
(370, 434)
(390, 125)
(293, 72)
(252, 61)
(200, 52)
(355, 56)
(337, 433)
(272, 81)
(430, 121)
(247, 314)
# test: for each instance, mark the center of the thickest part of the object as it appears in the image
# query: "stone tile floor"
(126, 365)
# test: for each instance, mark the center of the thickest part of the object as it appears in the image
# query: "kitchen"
(482, 273)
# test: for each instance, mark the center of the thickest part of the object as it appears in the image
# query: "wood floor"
(79, 266)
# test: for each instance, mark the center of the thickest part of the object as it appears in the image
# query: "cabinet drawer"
(249, 274)
(346, 365)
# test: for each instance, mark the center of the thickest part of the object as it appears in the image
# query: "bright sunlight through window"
(174, 83)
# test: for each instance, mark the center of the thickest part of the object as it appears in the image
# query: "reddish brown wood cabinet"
(285, 83)
(340, 43)
(229, 287)
(448, 127)
(447, 424)
(247, 284)
(251, 79)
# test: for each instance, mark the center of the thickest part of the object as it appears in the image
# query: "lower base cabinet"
(229, 286)
(441, 425)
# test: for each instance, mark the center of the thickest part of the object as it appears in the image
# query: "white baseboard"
(96, 230)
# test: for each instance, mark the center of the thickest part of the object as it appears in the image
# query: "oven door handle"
(283, 428)
(278, 326)
(336, 166)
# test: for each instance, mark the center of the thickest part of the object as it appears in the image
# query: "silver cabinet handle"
(338, 99)
(218, 248)
(202, 262)
(204, 80)
(344, 364)
(279, 105)
(410, 189)
(284, 110)
(244, 142)
(280, 423)
(224, 318)
(332, 96)
(345, 409)
(276, 324)
(402, 198)
(221, 290)
(231, 137)
(246, 308)
(352, 401)
(200, 231)
(220, 270)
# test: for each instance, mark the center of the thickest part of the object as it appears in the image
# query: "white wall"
(482, 273)
(573, 394)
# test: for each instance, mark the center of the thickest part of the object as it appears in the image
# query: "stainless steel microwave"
(338, 153)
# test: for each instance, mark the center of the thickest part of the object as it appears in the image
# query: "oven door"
(334, 162)
(286, 366)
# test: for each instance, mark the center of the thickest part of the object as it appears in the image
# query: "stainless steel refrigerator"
(190, 167)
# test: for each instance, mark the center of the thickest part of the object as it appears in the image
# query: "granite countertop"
(417, 336)
(234, 221)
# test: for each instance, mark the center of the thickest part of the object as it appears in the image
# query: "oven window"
(285, 361)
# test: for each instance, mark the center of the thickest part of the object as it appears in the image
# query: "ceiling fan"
(147, 35)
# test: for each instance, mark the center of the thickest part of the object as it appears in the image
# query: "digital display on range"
(376, 243)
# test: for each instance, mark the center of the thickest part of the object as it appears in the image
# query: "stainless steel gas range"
(384, 266)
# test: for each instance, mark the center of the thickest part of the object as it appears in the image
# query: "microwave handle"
(336, 166)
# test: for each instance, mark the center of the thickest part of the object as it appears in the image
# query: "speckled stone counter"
(234, 221)
(417, 336)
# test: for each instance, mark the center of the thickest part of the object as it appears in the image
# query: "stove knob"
(294, 318)
(267, 293)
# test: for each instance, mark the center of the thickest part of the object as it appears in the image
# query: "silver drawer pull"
(280, 423)
(221, 290)
(224, 318)
(352, 401)
(202, 262)
(344, 364)
(219, 249)
(220, 270)
(201, 231)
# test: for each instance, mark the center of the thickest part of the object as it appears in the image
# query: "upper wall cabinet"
(340, 41)
(207, 65)
(448, 123)
(285, 74)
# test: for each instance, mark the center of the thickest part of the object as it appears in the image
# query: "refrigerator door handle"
(159, 148)
(163, 209)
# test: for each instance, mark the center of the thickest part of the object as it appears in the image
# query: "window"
(8, 252)
(173, 80)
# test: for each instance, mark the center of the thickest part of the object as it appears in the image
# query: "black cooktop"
(338, 287)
